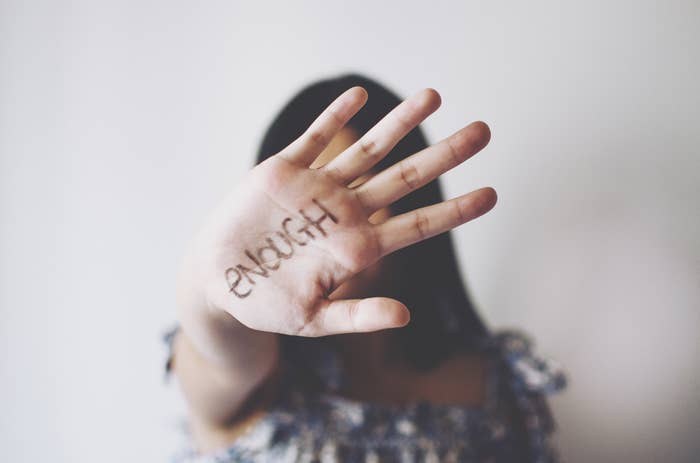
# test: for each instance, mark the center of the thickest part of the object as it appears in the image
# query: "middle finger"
(380, 139)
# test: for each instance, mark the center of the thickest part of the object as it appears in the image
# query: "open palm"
(279, 244)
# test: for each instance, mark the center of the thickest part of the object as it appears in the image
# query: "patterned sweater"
(512, 425)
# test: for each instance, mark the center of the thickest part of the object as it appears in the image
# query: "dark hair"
(427, 278)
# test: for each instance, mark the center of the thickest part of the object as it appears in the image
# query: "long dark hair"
(426, 277)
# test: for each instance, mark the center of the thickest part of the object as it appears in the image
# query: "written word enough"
(294, 232)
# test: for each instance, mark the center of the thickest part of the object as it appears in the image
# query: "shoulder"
(528, 378)
(515, 355)
(528, 369)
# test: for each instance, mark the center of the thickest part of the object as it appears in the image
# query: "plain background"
(122, 123)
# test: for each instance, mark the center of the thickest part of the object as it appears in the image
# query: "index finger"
(305, 149)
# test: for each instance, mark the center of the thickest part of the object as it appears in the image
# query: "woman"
(322, 314)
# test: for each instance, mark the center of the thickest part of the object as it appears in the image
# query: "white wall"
(121, 123)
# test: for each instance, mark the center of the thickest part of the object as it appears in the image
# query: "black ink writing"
(233, 284)
(269, 256)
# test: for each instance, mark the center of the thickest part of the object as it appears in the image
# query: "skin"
(235, 296)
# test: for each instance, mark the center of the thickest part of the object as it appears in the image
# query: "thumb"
(357, 316)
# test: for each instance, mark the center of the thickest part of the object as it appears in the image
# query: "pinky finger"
(421, 224)
(356, 316)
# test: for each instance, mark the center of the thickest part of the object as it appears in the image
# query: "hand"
(279, 244)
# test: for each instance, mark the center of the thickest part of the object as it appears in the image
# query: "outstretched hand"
(281, 241)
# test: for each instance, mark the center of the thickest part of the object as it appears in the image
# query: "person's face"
(368, 282)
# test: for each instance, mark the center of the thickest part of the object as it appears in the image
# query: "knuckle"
(456, 147)
(459, 215)
(335, 116)
(366, 200)
(369, 148)
(409, 175)
(334, 172)
(353, 314)
(414, 109)
(421, 223)
(404, 118)
(318, 138)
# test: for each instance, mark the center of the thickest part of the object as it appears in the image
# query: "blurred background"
(122, 123)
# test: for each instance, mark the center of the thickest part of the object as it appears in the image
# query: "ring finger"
(420, 168)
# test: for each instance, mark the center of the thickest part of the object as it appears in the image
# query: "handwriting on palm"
(304, 231)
